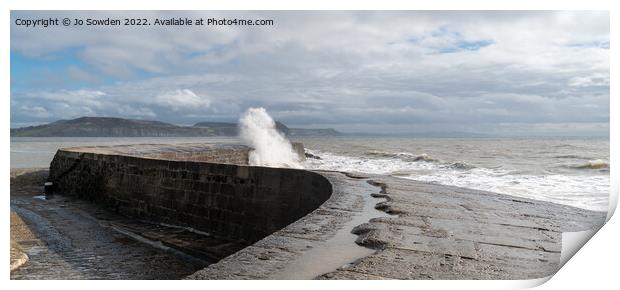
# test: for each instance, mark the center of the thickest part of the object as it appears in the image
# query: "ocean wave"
(402, 172)
(310, 154)
(569, 157)
(406, 156)
(330, 161)
(424, 157)
(584, 191)
(378, 153)
(564, 146)
(461, 166)
(589, 192)
(594, 164)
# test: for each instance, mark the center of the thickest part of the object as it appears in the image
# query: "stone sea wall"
(155, 183)
(239, 156)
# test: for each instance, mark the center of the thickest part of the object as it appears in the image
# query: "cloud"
(81, 75)
(589, 81)
(379, 69)
(135, 112)
(35, 111)
(87, 98)
(182, 99)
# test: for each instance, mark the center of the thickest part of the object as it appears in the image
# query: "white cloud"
(588, 81)
(36, 111)
(182, 99)
(134, 112)
(90, 98)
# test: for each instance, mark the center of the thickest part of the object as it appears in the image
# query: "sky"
(493, 72)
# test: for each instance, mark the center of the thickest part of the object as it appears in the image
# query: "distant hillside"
(300, 132)
(109, 127)
(118, 127)
(222, 129)
(232, 129)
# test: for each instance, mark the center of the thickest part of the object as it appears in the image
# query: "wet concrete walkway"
(433, 232)
(340, 249)
(71, 244)
(319, 243)
(72, 239)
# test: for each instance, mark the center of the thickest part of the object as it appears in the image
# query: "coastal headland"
(198, 211)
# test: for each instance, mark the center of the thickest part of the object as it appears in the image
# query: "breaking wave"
(594, 164)
(461, 165)
(402, 155)
(568, 157)
(270, 148)
(585, 191)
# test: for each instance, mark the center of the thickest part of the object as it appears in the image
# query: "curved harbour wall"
(159, 183)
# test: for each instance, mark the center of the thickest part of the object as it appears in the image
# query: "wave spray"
(270, 148)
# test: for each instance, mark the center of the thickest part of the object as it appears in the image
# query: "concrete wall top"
(150, 150)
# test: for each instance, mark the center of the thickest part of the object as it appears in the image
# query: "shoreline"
(19, 232)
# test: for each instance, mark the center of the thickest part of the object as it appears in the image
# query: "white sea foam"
(270, 147)
(585, 191)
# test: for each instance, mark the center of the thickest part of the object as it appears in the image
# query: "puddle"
(340, 250)
(41, 197)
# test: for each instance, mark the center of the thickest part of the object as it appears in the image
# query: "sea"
(566, 170)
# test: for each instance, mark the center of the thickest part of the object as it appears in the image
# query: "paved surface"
(69, 239)
(435, 232)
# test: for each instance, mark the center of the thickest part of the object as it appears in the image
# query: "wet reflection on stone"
(77, 240)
